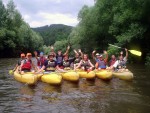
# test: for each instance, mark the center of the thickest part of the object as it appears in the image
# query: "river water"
(114, 96)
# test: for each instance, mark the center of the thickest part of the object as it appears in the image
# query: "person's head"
(77, 55)
(100, 57)
(59, 52)
(97, 55)
(113, 57)
(22, 55)
(66, 57)
(121, 53)
(41, 54)
(50, 57)
(120, 57)
(85, 57)
(29, 55)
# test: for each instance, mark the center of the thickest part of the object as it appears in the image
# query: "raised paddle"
(135, 52)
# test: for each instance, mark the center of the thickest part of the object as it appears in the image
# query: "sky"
(46, 12)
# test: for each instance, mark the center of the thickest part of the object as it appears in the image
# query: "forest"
(16, 36)
(125, 23)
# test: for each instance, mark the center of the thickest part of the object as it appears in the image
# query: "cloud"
(45, 12)
(56, 18)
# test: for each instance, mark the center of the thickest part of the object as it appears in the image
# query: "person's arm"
(20, 67)
(80, 53)
(75, 52)
(72, 60)
(126, 53)
(36, 55)
(106, 57)
(35, 68)
(91, 64)
(15, 67)
(93, 54)
(52, 50)
(79, 65)
(43, 67)
(96, 65)
(115, 65)
(67, 51)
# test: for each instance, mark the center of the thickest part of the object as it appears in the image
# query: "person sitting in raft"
(78, 57)
(102, 62)
(27, 64)
(85, 64)
(120, 65)
(97, 56)
(49, 65)
(40, 60)
(67, 63)
(112, 61)
(22, 57)
(59, 56)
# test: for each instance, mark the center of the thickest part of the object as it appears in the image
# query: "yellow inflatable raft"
(84, 74)
(123, 75)
(52, 78)
(27, 78)
(70, 76)
(104, 74)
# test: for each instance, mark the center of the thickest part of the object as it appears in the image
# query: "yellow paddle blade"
(138, 53)
(11, 72)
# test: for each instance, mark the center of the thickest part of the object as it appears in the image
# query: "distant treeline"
(55, 34)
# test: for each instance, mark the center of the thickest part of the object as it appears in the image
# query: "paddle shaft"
(116, 46)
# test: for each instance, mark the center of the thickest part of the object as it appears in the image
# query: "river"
(114, 96)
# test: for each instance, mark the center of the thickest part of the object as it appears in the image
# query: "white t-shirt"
(117, 62)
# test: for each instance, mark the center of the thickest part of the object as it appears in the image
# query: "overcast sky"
(45, 12)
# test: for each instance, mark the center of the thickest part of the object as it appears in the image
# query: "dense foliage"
(121, 22)
(16, 36)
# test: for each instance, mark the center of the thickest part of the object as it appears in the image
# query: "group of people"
(61, 62)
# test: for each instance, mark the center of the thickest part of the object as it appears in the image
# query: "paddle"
(11, 72)
(135, 52)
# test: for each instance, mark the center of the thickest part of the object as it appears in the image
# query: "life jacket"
(51, 65)
(85, 64)
(101, 64)
(121, 64)
(112, 62)
(77, 60)
(41, 61)
(66, 64)
(26, 65)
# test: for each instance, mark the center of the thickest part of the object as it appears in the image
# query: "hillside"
(53, 33)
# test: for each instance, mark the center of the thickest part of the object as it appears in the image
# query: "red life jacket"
(41, 61)
(26, 65)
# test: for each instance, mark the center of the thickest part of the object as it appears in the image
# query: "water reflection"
(27, 90)
(47, 88)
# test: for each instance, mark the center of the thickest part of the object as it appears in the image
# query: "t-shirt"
(46, 63)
